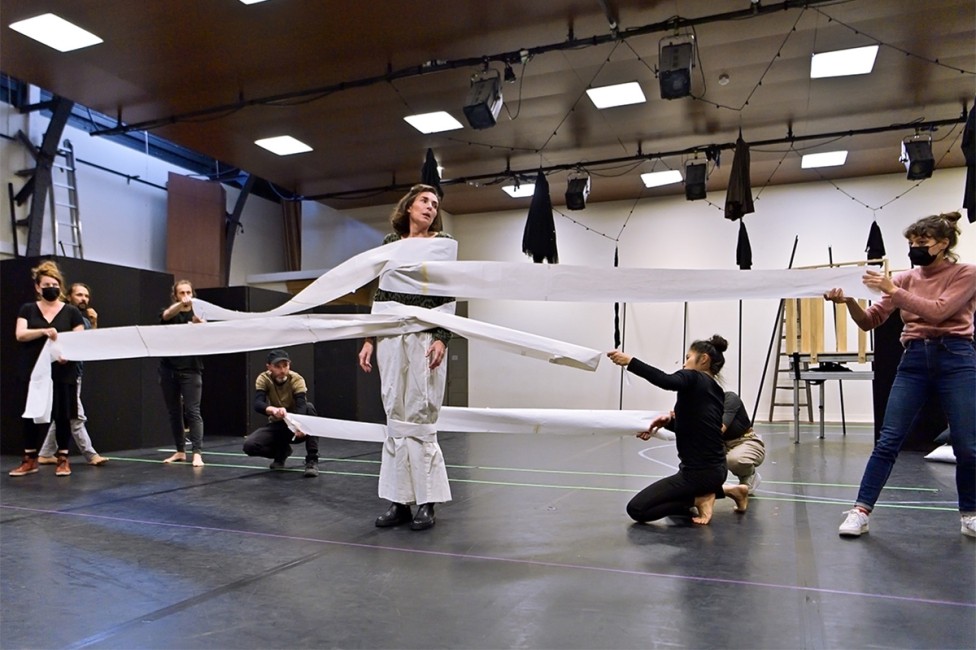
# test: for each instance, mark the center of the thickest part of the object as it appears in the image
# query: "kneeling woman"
(697, 424)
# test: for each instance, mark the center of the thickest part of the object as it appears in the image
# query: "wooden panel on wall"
(195, 230)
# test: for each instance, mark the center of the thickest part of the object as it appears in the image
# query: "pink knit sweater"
(935, 300)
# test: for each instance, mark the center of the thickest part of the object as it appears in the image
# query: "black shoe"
(424, 518)
(398, 513)
(311, 469)
(277, 464)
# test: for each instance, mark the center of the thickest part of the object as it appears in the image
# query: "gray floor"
(534, 552)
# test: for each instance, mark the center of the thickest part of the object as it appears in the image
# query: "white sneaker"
(752, 482)
(968, 525)
(855, 525)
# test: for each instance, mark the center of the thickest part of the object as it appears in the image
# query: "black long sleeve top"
(698, 412)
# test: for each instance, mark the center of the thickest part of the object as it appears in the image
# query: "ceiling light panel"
(617, 95)
(56, 32)
(825, 159)
(656, 179)
(522, 191)
(841, 63)
(433, 122)
(283, 145)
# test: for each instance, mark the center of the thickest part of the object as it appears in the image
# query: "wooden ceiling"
(348, 72)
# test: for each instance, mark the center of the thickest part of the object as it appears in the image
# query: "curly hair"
(48, 269)
(937, 227)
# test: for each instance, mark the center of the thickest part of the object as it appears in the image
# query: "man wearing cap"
(277, 392)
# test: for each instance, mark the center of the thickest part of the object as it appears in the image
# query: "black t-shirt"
(698, 410)
(180, 363)
(65, 320)
(735, 418)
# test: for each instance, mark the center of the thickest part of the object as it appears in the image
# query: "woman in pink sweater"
(937, 299)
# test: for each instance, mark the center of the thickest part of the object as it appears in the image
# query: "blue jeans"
(944, 368)
(182, 390)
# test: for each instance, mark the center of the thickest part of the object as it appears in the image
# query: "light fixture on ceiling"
(841, 63)
(283, 145)
(675, 61)
(656, 179)
(616, 95)
(55, 32)
(695, 175)
(251, 2)
(519, 190)
(433, 122)
(484, 100)
(577, 190)
(823, 159)
(916, 153)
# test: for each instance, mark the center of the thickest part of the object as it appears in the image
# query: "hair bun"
(719, 342)
(951, 217)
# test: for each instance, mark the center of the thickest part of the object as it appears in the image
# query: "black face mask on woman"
(50, 293)
(920, 255)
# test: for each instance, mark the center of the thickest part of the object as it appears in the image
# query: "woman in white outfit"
(413, 375)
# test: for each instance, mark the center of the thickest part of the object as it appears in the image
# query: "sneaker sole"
(852, 533)
(967, 532)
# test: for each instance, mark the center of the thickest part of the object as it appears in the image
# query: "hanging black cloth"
(429, 175)
(875, 247)
(743, 249)
(539, 238)
(969, 151)
(738, 198)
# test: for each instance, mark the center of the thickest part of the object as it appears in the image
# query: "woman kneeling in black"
(697, 424)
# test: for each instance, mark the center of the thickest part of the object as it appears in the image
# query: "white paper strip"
(354, 273)
(562, 282)
(279, 331)
(489, 420)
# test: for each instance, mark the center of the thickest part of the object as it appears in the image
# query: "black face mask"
(50, 293)
(920, 255)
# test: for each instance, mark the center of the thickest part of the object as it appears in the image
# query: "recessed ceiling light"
(617, 95)
(56, 32)
(251, 2)
(656, 179)
(825, 159)
(433, 122)
(283, 145)
(523, 190)
(840, 63)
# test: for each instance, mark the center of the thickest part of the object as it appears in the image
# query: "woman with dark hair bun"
(937, 299)
(697, 424)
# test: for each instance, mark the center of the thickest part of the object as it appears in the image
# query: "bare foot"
(739, 494)
(178, 457)
(704, 505)
(198, 460)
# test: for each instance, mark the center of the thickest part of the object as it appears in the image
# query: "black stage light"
(577, 190)
(916, 153)
(675, 70)
(695, 181)
(484, 102)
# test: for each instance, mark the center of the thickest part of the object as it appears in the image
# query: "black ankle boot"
(424, 518)
(398, 513)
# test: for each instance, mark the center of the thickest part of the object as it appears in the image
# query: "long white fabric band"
(488, 420)
(561, 282)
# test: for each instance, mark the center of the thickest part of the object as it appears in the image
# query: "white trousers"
(412, 470)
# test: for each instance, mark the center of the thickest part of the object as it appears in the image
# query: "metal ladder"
(64, 195)
(783, 380)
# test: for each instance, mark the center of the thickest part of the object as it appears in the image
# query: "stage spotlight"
(484, 101)
(675, 61)
(916, 153)
(695, 180)
(577, 190)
